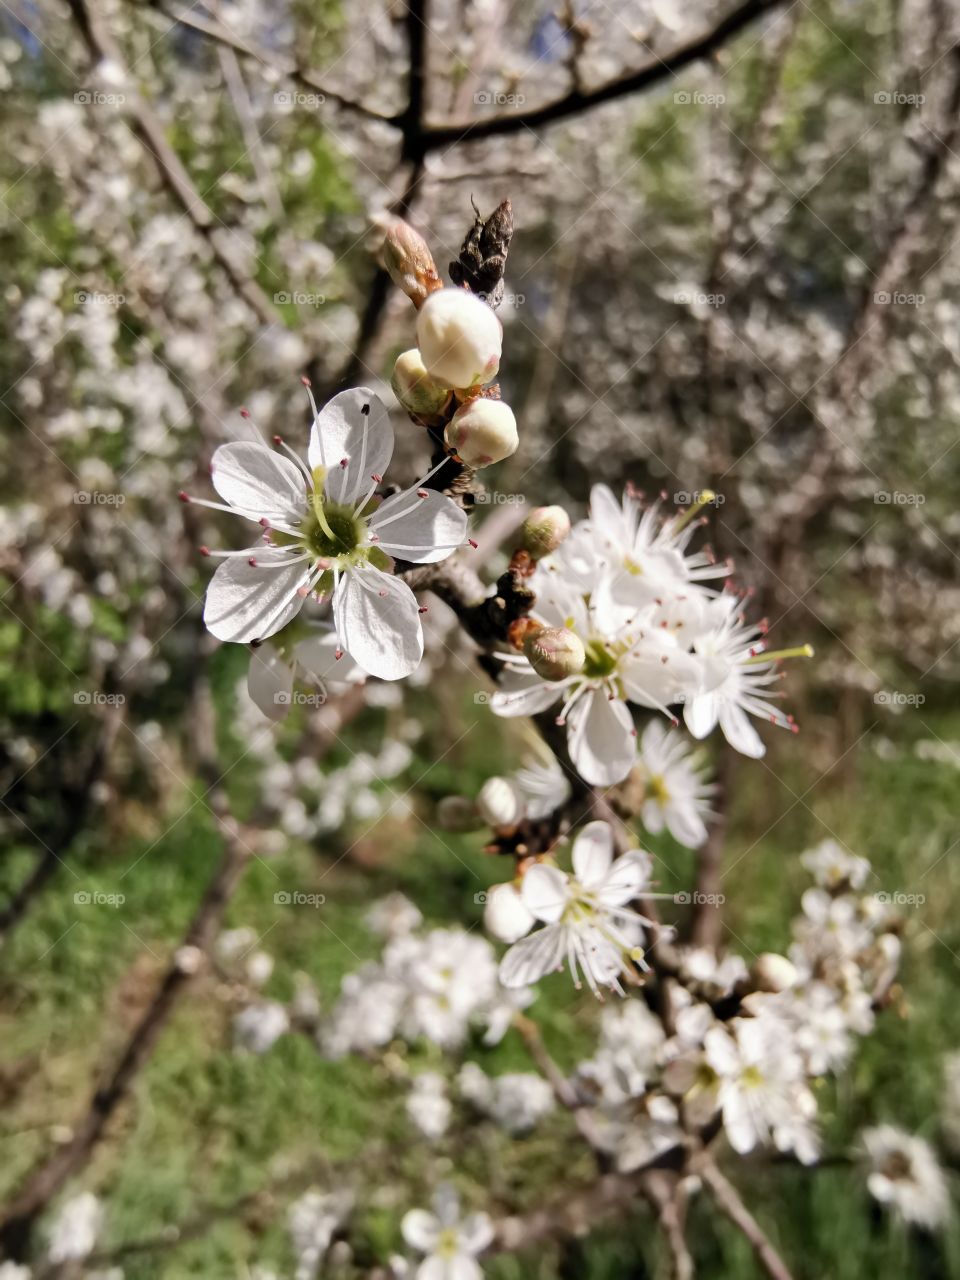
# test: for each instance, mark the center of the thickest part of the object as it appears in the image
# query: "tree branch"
(147, 127)
(729, 1203)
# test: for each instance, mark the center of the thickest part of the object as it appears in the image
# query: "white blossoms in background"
(676, 794)
(451, 1243)
(761, 1088)
(76, 1228)
(905, 1176)
(428, 1105)
(587, 922)
(325, 533)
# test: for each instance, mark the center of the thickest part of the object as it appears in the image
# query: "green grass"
(207, 1126)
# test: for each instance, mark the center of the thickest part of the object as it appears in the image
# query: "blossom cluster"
(625, 617)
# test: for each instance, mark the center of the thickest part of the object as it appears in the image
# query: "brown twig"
(148, 129)
(728, 1201)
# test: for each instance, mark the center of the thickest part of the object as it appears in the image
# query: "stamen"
(777, 655)
(703, 498)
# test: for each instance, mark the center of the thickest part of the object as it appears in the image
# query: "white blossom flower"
(905, 1176)
(676, 793)
(734, 679)
(586, 918)
(450, 1243)
(630, 661)
(76, 1228)
(428, 1105)
(313, 1219)
(259, 1026)
(834, 867)
(323, 532)
(761, 1089)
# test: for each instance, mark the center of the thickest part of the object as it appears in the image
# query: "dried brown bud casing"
(410, 263)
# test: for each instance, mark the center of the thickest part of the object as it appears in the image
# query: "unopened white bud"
(482, 432)
(414, 388)
(500, 803)
(457, 813)
(459, 338)
(555, 653)
(774, 973)
(506, 916)
(543, 530)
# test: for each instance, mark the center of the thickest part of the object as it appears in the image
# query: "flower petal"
(593, 853)
(317, 654)
(420, 1230)
(476, 1232)
(523, 693)
(251, 602)
(270, 682)
(353, 439)
(739, 732)
(434, 523)
(545, 892)
(532, 957)
(253, 478)
(600, 738)
(378, 622)
(700, 713)
(627, 879)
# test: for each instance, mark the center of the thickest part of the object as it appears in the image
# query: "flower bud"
(506, 917)
(772, 972)
(543, 530)
(555, 653)
(459, 338)
(415, 389)
(482, 431)
(457, 813)
(500, 803)
(410, 263)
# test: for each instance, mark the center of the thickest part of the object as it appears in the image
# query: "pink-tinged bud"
(500, 803)
(482, 432)
(505, 916)
(459, 339)
(415, 389)
(543, 530)
(555, 653)
(457, 813)
(774, 973)
(410, 263)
